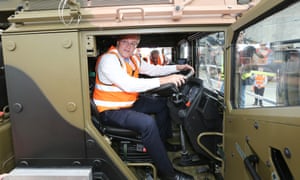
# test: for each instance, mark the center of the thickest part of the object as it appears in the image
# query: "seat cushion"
(120, 132)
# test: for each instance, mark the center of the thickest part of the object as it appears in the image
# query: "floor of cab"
(195, 171)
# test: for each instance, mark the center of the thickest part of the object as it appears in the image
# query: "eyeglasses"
(126, 43)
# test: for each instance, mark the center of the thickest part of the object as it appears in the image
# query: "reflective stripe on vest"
(110, 96)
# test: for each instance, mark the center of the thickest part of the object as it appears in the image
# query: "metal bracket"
(74, 9)
(178, 8)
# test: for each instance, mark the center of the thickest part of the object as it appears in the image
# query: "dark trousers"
(156, 106)
(259, 91)
(138, 119)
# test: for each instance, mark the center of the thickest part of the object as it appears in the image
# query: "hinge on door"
(74, 11)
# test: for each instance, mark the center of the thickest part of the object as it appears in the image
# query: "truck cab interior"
(196, 110)
(225, 127)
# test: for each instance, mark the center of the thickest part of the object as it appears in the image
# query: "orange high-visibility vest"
(110, 96)
(260, 80)
(160, 61)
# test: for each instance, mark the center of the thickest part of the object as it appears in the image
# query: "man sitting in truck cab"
(116, 95)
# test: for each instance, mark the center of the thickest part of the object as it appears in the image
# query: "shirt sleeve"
(156, 70)
(110, 71)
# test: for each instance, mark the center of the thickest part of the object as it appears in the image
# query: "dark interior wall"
(3, 93)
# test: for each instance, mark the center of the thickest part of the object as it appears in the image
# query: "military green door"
(262, 93)
(45, 96)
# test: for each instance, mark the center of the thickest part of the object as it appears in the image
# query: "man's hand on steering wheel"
(176, 79)
(185, 67)
(169, 84)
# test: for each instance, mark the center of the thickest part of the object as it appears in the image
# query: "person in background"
(155, 58)
(245, 61)
(116, 95)
(264, 53)
(260, 81)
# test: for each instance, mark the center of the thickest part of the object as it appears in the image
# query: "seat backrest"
(96, 119)
(94, 109)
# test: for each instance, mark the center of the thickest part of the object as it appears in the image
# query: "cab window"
(184, 49)
(267, 62)
(210, 60)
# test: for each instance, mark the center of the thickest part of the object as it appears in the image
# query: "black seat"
(112, 131)
(126, 143)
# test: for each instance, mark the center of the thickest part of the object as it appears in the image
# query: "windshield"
(210, 60)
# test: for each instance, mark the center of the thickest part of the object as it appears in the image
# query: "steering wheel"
(169, 88)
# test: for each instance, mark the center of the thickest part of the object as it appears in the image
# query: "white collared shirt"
(110, 71)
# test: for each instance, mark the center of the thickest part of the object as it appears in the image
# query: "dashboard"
(198, 110)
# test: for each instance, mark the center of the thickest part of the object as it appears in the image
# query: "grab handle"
(122, 11)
